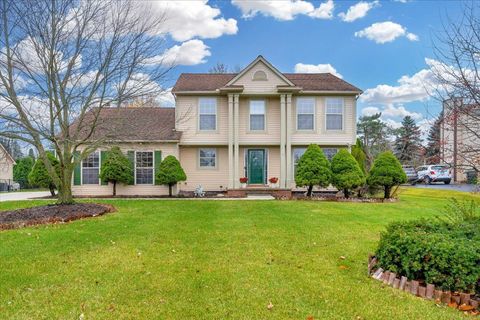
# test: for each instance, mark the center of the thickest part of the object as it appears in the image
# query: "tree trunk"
(309, 191)
(170, 190)
(346, 193)
(387, 192)
(65, 187)
(51, 187)
(114, 188)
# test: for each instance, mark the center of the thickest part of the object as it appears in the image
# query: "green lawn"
(157, 259)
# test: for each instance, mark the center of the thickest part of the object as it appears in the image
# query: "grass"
(157, 259)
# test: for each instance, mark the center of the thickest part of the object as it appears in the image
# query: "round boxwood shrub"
(446, 255)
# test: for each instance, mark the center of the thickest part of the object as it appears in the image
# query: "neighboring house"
(255, 124)
(459, 133)
(6, 168)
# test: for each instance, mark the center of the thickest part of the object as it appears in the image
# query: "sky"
(382, 47)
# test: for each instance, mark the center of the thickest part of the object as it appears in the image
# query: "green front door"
(256, 166)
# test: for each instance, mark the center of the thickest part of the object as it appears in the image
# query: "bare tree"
(221, 67)
(62, 62)
(457, 79)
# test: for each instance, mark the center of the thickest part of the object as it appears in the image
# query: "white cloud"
(184, 20)
(284, 10)
(391, 111)
(357, 11)
(189, 53)
(166, 99)
(383, 32)
(319, 68)
(392, 123)
(324, 11)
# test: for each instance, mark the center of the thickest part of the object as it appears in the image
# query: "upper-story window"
(334, 113)
(305, 113)
(260, 75)
(207, 114)
(144, 167)
(257, 115)
(90, 168)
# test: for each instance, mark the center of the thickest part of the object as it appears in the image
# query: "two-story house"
(256, 124)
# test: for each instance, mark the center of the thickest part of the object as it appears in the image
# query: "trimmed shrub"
(39, 175)
(360, 156)
(21, 170)
(313, 169)
(386, 172)
(346, 174)
(444, 254)
(170, 172)
(116, 169)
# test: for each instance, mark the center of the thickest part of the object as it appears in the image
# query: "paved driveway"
(14, 196)
(453, 187)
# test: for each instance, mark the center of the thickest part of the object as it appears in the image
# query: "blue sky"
(372, 44)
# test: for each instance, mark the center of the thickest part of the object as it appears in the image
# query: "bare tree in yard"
(62, 62)
(456, 75)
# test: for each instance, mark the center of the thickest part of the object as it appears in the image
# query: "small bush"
(313, 169)
(444, 254)
(386, 172)
(346, 173)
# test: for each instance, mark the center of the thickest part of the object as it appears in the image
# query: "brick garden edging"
(461, 301)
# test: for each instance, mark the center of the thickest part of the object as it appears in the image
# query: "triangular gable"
(6, 153)
(258, 60)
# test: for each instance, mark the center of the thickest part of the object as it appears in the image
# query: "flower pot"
(243, 185)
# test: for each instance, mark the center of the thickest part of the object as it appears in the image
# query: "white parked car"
(434, 173)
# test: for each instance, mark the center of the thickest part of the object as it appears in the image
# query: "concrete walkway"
(27, 195)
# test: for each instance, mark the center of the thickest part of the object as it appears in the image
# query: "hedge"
(443, 254)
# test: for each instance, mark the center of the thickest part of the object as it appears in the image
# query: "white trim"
(264, 116)
(314, 114)
(135, 168)
(99, 165)
(253, 63)
(198, 159)
(343, 114)
(199, 114)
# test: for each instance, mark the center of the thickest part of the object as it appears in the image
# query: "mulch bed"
(55, 213)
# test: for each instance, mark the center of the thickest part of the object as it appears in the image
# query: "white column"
(288, 150)
(283, 135)
(236, 155)
(230, 142)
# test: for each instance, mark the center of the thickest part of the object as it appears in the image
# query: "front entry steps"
(252, 192)
(260, 197)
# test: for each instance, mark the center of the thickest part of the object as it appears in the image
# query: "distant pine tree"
(408, 142)
(432, 151)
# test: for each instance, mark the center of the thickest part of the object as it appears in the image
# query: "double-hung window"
(207, 114)
(329, 153)
(208, 158)
(144, 167)
(297, 154)
(305, 113)
(90, 168)
(257, 115)
(334, 113)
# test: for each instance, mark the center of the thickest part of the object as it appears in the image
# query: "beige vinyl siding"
(211, 179)
(260, 86)
(6, 166)
(320, 135)
(271, 134)
(273, 161)
(131, 190)
(187, 121)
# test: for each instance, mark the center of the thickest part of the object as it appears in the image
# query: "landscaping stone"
(430, 290)
(386, 276)
(437, 294)
(446, 297)
(414, 287)
(464, 298)
(396, 283)
(403, 281)
(391, 278)
(422, 291)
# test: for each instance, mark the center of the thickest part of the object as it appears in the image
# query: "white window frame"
(135, 168)
(293, 158)
(314, 113)
(329, 113)
(216, 159)
(99, 165)
(260, 79)
(200, 114)
(264, 116)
